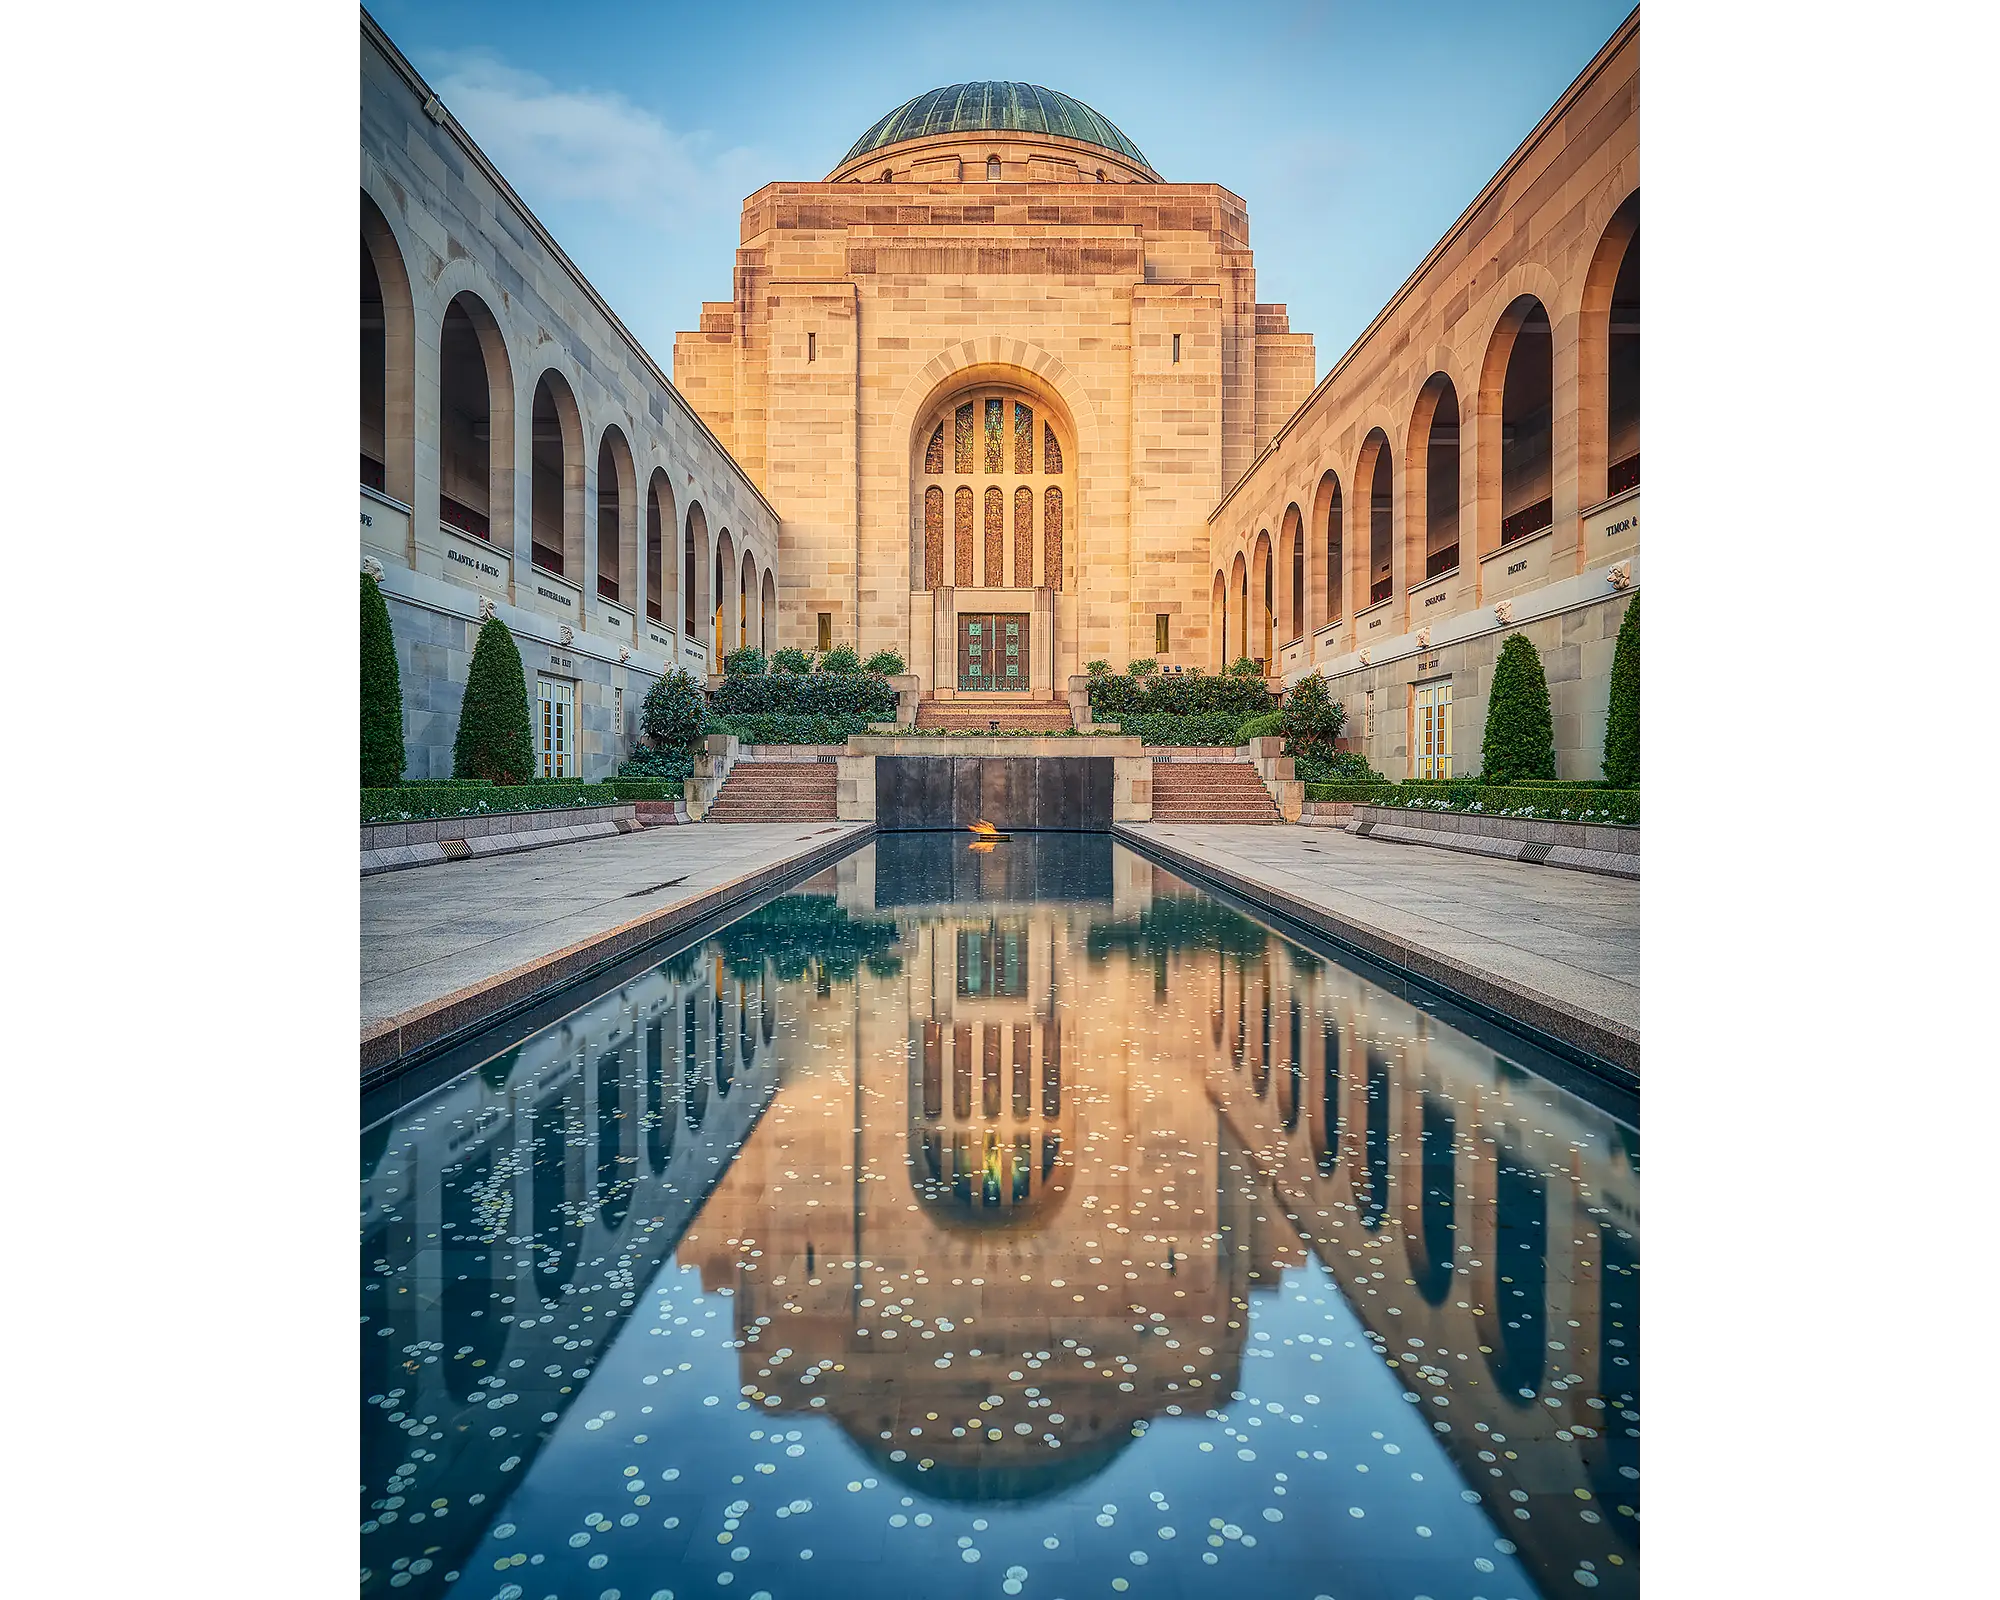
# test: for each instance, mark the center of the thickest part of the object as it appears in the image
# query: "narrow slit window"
(812, 347)
(1177, 349)
(826, 630)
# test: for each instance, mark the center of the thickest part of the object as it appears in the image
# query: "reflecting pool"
(1017, 1221)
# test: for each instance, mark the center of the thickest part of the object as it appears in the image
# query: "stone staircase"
(1015, 714)
(778, 791)
(1210, 791)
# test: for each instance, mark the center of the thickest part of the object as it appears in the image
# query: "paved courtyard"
(445, 936)
(1568, 940)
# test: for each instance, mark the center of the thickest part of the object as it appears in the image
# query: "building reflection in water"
(1038, 1126)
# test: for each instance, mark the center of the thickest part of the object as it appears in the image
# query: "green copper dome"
(995, 107)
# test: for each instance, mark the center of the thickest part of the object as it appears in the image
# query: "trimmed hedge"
(1178, 695)
(381, 692)
(650, 764)
(1356, 792)
(842, 694)
(776, 727)
(1270, 725)
(674, 714)
(1338, 766)
(748, 662)
(415, 803)
(1215, 728)
(1545, 804)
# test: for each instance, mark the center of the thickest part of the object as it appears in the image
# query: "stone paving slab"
(1558, 951)
(445, 947)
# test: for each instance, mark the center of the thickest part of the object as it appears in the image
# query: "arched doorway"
(767, 617)
(617, 519)
(388, 365)
(556, 478)
(659, 518)
(724, 631)
(1608, 362)
(474, 435)
(991, 499)
(1326, 518)
(695, 576)
(1377, 475)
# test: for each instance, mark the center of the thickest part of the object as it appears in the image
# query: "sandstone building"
(1000, 397)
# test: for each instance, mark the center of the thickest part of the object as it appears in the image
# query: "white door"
(555, 733)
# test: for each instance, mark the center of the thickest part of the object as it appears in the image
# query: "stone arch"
(1329, 600)
(1239, 596)
(388, 360)
(746, 628)
(935, 462)
(1514, 468)
(1431, 482)
(723, 618)
(1608, 350)
(661, 596)
(475, 475)
(1294, 568)
(696, 606)
(1375, 519)
(1218, 623)
(556, 477)
(767, 641)
(617, 518)
(1001, 359)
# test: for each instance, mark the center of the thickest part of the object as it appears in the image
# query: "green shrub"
(1244, 667)
(1312, 719)
(790, 659)
(495, 739)
(885, 663)
(1144, 667)
(745, 663)
(840, 662)
(862, 695)
(1520, 734)
(1098, 669)
(777, 727)
(1621, 724)
(443, 783)
(674, 715)
(1502, 800)
(651, 764)
(1338, 767)
(381, 692)
(1218, 727)
(1180, 695)
(413, 803)
(1265, 725)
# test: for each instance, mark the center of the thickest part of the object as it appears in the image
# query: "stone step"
(1214, 791)
(778, 791)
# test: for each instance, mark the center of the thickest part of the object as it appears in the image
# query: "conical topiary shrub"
(1621, 725)
(495, 738)
(1520, 735)
(381, 693)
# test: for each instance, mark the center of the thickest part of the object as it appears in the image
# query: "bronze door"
(993, 652)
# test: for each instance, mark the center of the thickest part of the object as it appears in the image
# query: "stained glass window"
(1051, 451)
(934, 534)
(934, 454)
(1052, 533)
(962, 531)
(993, 436)
(996, 539)
(961, 451)
(1024, 537)
(1024, 439)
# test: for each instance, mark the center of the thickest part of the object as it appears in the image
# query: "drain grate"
(656, 888)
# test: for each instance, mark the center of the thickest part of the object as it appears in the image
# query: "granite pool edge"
(1600, 1044)
(394, 1043)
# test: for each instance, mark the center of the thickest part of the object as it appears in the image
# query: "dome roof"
(995, 107)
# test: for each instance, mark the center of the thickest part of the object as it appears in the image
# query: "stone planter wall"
(387, 846)
(1582, 846)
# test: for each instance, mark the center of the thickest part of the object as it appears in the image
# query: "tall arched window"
(992, 169)
(1526, 485)
(1441, 479)
(659, 518)
(556, 478)
(1326, 505)
(465, 418)
(1298, 618)
(617, 492)
(993, 462)
(1379, 475)
(1622, 403)
(695, 572)
(388, 361)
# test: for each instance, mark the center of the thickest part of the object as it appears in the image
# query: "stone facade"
(1541, 535)
(1123, 310)
(447, 245)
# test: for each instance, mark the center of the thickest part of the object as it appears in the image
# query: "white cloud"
(590, 146)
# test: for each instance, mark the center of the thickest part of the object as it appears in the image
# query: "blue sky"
(1356, 134)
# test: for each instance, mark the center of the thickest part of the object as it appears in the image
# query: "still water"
(1020, 1222)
